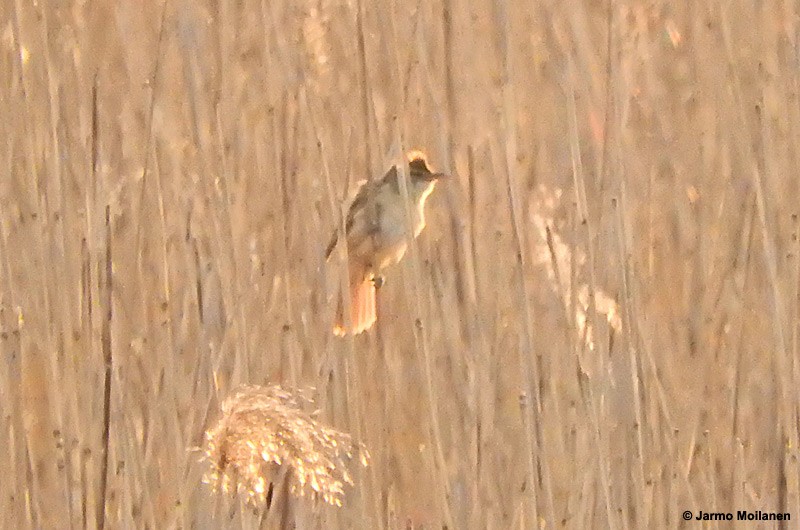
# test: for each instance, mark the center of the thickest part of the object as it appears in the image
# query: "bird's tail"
(362, 307)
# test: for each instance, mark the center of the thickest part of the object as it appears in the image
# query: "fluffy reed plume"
(264, 436)
(551, 249)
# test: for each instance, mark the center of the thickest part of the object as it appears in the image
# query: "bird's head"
(419, 168)
(423, 180)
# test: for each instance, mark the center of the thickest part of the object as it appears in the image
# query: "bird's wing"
(364, 192)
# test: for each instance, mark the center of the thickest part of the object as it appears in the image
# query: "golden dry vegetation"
(600, 326)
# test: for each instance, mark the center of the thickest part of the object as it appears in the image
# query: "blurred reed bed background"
(598, 328)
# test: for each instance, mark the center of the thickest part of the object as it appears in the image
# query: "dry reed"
(619, 245)
(265, 435)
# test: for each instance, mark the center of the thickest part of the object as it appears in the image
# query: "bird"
(376, 235)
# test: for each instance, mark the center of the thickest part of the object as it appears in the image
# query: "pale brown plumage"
(376, 237)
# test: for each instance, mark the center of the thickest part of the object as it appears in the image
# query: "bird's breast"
(381, 237)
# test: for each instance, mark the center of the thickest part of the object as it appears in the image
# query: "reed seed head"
(265, 435)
